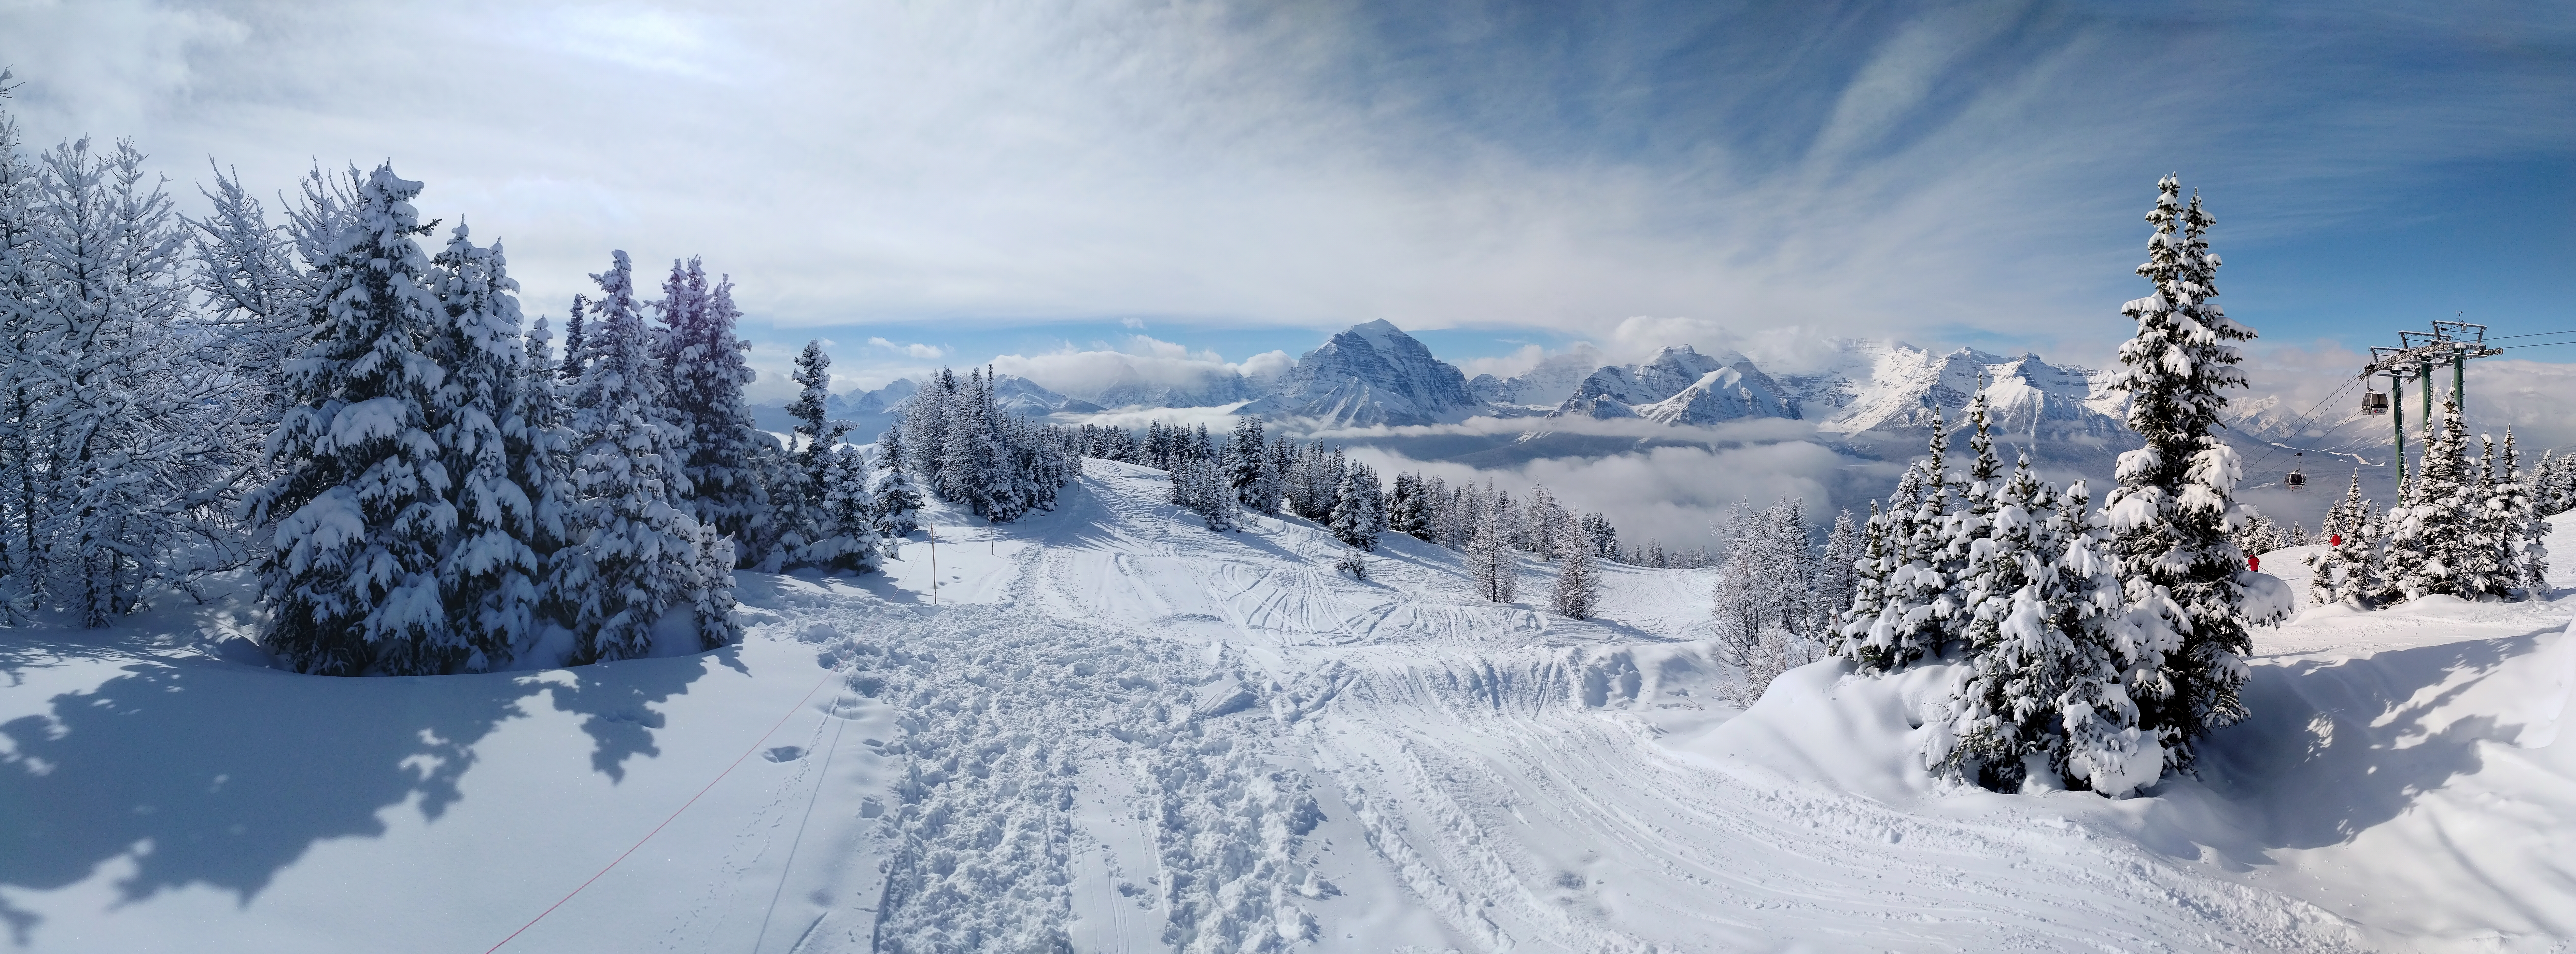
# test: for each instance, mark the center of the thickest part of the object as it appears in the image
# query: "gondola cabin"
(2374, 403)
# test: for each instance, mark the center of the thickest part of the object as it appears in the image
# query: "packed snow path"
(1118, 731)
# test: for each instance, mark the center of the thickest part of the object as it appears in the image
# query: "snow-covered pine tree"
(2436, 543)
(359, 500)
(704, 362)
(537, 436)
(1358, 514)
(1200, 487)
(1870, 572)
(1247, 470)
(2175, 503)
(1915, 598)
(1578, 584)
(1604, 537)
(850, 542)
(898, 500)
(972, 459)
(797, 519)
(2015, 650)
(638, 555)
(2554, 488)
(925, 426)
(576, 348)
(1490, 561)
(2342, 572)
(487, 568)
(2526, 558)
(2105, 750)
(1352, 564)
(2489, 571)
(2299, 536)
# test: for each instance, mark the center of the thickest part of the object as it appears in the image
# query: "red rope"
(684, 806)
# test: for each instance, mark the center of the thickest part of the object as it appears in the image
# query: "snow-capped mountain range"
(1375, 374)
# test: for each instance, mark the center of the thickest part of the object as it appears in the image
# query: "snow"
(1117, 730)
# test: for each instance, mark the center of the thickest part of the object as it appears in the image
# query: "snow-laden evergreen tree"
(537, 437)
(704, 362)
(797, 519)
(359, 501)
(2011, 604)
(972, 461)
(1352, 564)
(2553, 488)
(1578, 583)
(2343, 572)
(487, 568)
(1604, 537)
(1247, 468)
(576, 345)
(2175, 503)
(898, 501)
(850, 541)
(1490, 561)
(1406, 512)
(1358, 512)
(1870, 572)
(925, 426)
(2044, 698)
(2438, 541)
(1914, 598)
(1200, 487)
(639, 553)
(2525, 557)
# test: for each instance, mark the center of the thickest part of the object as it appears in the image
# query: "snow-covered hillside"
(1118, 731)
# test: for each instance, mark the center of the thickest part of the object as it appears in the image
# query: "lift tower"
(2416, 351)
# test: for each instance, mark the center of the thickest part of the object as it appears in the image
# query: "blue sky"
(963, 180)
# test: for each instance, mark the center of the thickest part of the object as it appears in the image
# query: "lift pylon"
(2416, 351)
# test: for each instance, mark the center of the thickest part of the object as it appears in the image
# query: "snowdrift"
(1106, 728)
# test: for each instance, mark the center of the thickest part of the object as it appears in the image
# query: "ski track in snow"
(1134, 746)
(1123, 732)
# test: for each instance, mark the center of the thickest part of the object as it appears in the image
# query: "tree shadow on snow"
(196, 771)
(2338, 747)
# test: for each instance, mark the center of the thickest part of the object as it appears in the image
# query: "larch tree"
(1578, 583)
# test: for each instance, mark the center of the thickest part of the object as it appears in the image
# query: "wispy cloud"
(1968, 172)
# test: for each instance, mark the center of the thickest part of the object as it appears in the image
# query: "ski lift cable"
(2276, 449)
(2303, 420)
(2533, 334)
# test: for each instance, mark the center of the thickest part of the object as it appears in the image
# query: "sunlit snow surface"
(1122, 732)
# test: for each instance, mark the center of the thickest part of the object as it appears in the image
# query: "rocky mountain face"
(1554, 379)
(1211, 389)
(1021, 397)
(1371, 375)
(879, 401)
(1893, 386)
(1679, 385)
